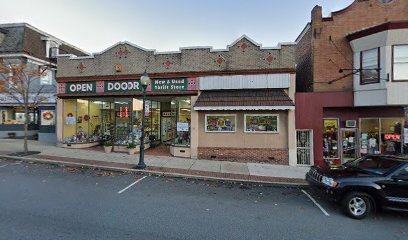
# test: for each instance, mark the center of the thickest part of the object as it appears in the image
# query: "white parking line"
(3, 165)
(138, 180)
(316, 203)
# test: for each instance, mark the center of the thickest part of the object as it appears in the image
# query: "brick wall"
(244, 54)
(264, 155)
(332, 51)
(304, 62)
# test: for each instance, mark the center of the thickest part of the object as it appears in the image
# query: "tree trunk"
(27, 120)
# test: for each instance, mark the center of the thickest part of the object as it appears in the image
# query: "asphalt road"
(49, 202)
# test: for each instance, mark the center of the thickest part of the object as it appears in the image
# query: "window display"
(82, 121)
(220, 123)
(261, 123)
(369, 136)
(381, 135)
(123, 127)
(183, 120)
(47, 118)
(330, 138)
(391, 136)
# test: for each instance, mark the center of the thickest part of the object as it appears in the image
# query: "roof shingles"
(253, 97)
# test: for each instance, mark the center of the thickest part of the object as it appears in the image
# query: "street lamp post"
(145, 81)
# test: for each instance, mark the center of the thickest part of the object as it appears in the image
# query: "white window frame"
(49, 76)
(263, 132)
(214, 115)
(394, 78)
(338, 137)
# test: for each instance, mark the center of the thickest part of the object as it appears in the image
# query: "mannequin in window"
(372, 145)
(389, 147)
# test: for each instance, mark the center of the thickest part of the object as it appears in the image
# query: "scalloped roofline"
(338, 12)
(181, 49)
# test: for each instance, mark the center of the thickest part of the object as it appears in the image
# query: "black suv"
(365, 184)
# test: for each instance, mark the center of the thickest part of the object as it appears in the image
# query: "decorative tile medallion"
(243, 46)
(269, 59)
(123, 52)
(81, 67)
(167, 63)
(220, 60)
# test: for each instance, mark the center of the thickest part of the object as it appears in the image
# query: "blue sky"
(166, 25)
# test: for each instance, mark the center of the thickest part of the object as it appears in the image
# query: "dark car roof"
(399, 158)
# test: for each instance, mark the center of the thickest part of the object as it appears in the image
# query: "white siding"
(245, 81)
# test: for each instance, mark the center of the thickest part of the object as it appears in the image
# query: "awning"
(265, 99)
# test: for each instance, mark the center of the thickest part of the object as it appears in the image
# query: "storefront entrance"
(88, 122)
(349, 142)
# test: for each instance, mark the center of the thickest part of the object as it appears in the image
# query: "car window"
(374, 164)
(403, 173)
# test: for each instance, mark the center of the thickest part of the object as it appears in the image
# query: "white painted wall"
(385, 92)
(245, 81)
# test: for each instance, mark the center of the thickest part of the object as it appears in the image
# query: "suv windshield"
(374, 164)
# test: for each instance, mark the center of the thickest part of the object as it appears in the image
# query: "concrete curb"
(156, 173)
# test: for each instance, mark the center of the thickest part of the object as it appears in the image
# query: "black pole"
(141, 164)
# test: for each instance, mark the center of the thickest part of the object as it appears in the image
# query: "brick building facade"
(225, 104)
(332, 100)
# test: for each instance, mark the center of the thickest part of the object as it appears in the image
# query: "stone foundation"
(254, 155)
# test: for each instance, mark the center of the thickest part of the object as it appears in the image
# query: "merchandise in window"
(370, 66)
(400, 62)
(183, 125)
(261, 123)
(220, 123)
(330, 138)
(47, 117)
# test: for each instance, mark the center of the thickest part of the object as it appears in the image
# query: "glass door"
(349, 144)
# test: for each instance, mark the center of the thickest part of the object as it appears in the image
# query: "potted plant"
(153, 142)
(107, 145)
(131, 148)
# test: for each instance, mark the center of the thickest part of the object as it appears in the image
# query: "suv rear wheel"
(357, 205)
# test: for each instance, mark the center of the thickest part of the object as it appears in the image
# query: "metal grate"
(304, 147)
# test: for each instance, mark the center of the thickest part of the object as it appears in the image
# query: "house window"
(220, 122)
(46, 78)
(370, 66)
(261, 123)
(400, 62)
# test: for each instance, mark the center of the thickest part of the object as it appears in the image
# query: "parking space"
(112, 205)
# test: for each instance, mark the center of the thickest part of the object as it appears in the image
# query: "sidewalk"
(255, 172)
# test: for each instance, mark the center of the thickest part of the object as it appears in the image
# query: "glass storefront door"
(349, 144)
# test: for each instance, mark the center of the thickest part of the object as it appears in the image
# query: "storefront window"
(16, 115)
(47, 117)
(94, 118)
(261, 123)
(382, 135)
(370, 142)
(82, 121)
(183, 121)
(391, 138)
(330, 138)
(69, 118)
(220, 122)
(123, 127)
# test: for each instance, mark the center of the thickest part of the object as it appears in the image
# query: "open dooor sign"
(392, 136)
